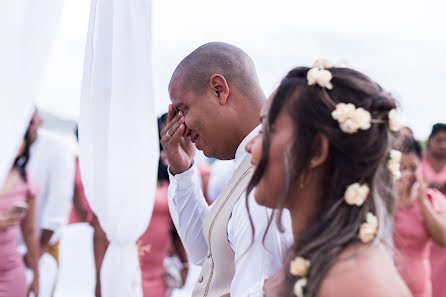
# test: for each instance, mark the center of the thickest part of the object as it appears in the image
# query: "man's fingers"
(171, 114)
(170, 124)
(174, 127)
(176, 137)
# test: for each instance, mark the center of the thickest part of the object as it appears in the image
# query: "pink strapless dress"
(79, 195)
(413, 244)
(438, 254)
(156, 242)
(12, 268)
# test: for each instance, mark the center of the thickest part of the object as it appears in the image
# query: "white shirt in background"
(52, 164)
(255, 262)
(221, 173)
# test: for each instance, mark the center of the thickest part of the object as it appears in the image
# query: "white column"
(27, 30)
(118, 133)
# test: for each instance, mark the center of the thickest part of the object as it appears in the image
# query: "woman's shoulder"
(33, 186)
(364, 271)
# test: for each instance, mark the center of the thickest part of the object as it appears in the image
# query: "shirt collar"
(241, 152)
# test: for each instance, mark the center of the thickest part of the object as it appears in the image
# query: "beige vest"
(218, 268)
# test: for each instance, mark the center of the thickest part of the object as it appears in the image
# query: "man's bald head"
(194, 72)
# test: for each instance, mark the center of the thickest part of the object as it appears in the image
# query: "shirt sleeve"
(188, 209)
(437, 199)
(59, 188)
(256, 259)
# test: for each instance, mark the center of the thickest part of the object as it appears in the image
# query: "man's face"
(203, 119)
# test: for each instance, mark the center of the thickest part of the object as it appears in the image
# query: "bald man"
(216, 100)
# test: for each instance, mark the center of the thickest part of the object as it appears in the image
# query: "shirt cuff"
(183, 180)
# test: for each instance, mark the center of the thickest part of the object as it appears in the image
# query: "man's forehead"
(175, 92)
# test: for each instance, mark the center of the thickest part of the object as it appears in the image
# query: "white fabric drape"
(27, 29)
(118, 133)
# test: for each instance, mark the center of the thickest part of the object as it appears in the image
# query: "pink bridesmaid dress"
(12, 268)
(438, 254)
(79, 194)
(155, 244)
(413, 245)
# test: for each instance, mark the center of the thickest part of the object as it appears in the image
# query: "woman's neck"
(305, 208)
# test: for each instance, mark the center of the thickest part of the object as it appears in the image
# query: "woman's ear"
(322, 148)
(219, 87)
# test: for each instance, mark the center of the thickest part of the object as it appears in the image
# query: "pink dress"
(412, 245)
(155, 245)
(438, 254)
(79, 195)
(12, 268)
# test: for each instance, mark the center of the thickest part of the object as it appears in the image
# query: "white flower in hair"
(350, 118)
(349, 126)
(299, 266)
(394, 163)
(299, 287)
(368, 230)
(356, 194)
(343, 112)
(394, 121)
(320, 76)
(323, 64)
(362, 118)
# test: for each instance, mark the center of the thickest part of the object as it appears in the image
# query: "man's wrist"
(174, 172)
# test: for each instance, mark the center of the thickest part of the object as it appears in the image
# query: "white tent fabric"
(27, 29)
(118, 133)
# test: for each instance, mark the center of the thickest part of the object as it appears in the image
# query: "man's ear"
(322, 148)
(219, 87)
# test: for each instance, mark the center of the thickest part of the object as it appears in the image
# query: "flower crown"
(350, 118)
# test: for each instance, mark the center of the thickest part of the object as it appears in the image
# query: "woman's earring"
(304, 179)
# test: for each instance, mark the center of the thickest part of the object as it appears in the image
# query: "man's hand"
(178, 146)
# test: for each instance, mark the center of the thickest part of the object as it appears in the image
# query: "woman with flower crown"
(323, 153)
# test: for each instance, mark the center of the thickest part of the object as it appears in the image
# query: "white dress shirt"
(255, 262)
(52, 164)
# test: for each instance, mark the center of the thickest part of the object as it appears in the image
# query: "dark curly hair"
(358, 157)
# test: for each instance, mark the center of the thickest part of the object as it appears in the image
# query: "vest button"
(200, 279)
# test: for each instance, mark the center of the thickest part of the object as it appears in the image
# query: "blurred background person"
(434, 159)
(420, 219)
(162, 257)
(52, 165)
(17, 207)
(434, 172)
(221, 172)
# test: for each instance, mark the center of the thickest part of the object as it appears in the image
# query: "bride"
(324, 153)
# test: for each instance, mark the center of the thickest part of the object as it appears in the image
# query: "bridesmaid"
(434, 172)
(420, 219)
(17, 207)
